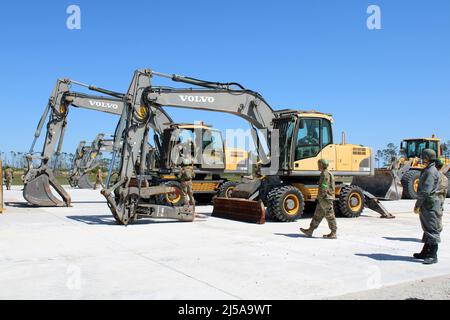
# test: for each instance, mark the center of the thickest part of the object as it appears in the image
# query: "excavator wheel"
(410, 182)
(448, 177)
(351, 201)
(175, 198)
(285, 203)
(226, 189)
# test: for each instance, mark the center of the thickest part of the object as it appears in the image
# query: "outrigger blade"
(38, 192)
(84, 182)
(373, 203)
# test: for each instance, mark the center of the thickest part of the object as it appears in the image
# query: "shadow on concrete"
(20, 205)
(109, 220)
(403, 239)
(75, 202)
(292, 235)
(387, 257)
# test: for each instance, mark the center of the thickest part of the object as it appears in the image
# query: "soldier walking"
(99, 179)
(325, 200)
(428, 206)
(186, 175)
(9, 177)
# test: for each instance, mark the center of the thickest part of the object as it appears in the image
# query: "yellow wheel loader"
(288, 176)
(401, 179)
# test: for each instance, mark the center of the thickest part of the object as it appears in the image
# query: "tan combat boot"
(307, 232)
(332, 235)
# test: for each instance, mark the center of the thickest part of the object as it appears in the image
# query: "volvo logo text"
(203, 99)
(106, 105)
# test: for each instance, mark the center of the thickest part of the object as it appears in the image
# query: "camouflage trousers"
(442, 201)
(187, 191)
(8, 184)
(325, 210)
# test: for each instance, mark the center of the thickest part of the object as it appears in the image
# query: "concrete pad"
(80, 253)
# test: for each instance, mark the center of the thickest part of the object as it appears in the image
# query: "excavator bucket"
(84, 182)
(38, 192)
(240, 210)
(383, 185)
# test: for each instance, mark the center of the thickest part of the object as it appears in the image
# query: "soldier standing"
(428, 206)
(325, 200)
(9, 178)
(99, 179)
(186, 175)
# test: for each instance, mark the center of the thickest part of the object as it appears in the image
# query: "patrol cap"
(429, 154)
(324, 162)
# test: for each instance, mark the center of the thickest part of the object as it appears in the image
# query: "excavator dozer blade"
(240, 210)
(38, 192)
(84, 182)
(383, 185)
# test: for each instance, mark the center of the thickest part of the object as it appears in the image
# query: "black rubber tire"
(276, 198)
(408, 184)
(448, 177)
(163, 198)
(343, 202)
(224, 190)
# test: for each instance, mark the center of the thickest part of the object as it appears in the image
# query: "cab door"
(328, 148)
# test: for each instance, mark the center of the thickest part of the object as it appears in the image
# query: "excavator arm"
(37, 181)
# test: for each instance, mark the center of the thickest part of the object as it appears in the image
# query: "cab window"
(326, 133)
(433, 146)
(308, 139)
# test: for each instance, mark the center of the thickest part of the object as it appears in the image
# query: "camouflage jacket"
(443, 186)
(186, 173)
(326, 186)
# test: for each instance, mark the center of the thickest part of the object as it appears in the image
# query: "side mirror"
(301, 124)
(402, 151)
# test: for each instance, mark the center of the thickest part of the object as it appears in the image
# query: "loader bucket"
(384, 185)
(84, 183)
(38, 192)
(239, 209)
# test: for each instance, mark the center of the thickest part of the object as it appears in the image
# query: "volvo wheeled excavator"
(288, 176)
(86, 160)
(37, 181)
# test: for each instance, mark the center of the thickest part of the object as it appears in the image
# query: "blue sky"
(380, 85)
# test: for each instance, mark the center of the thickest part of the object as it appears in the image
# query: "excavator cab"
(205, 145)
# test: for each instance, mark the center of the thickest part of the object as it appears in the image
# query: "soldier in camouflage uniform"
(442, 190)
(325, 200)
(428, 206)
(9, 177)
(98, 179)
(186, 175)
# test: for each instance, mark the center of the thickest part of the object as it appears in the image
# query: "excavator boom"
(39, 181)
